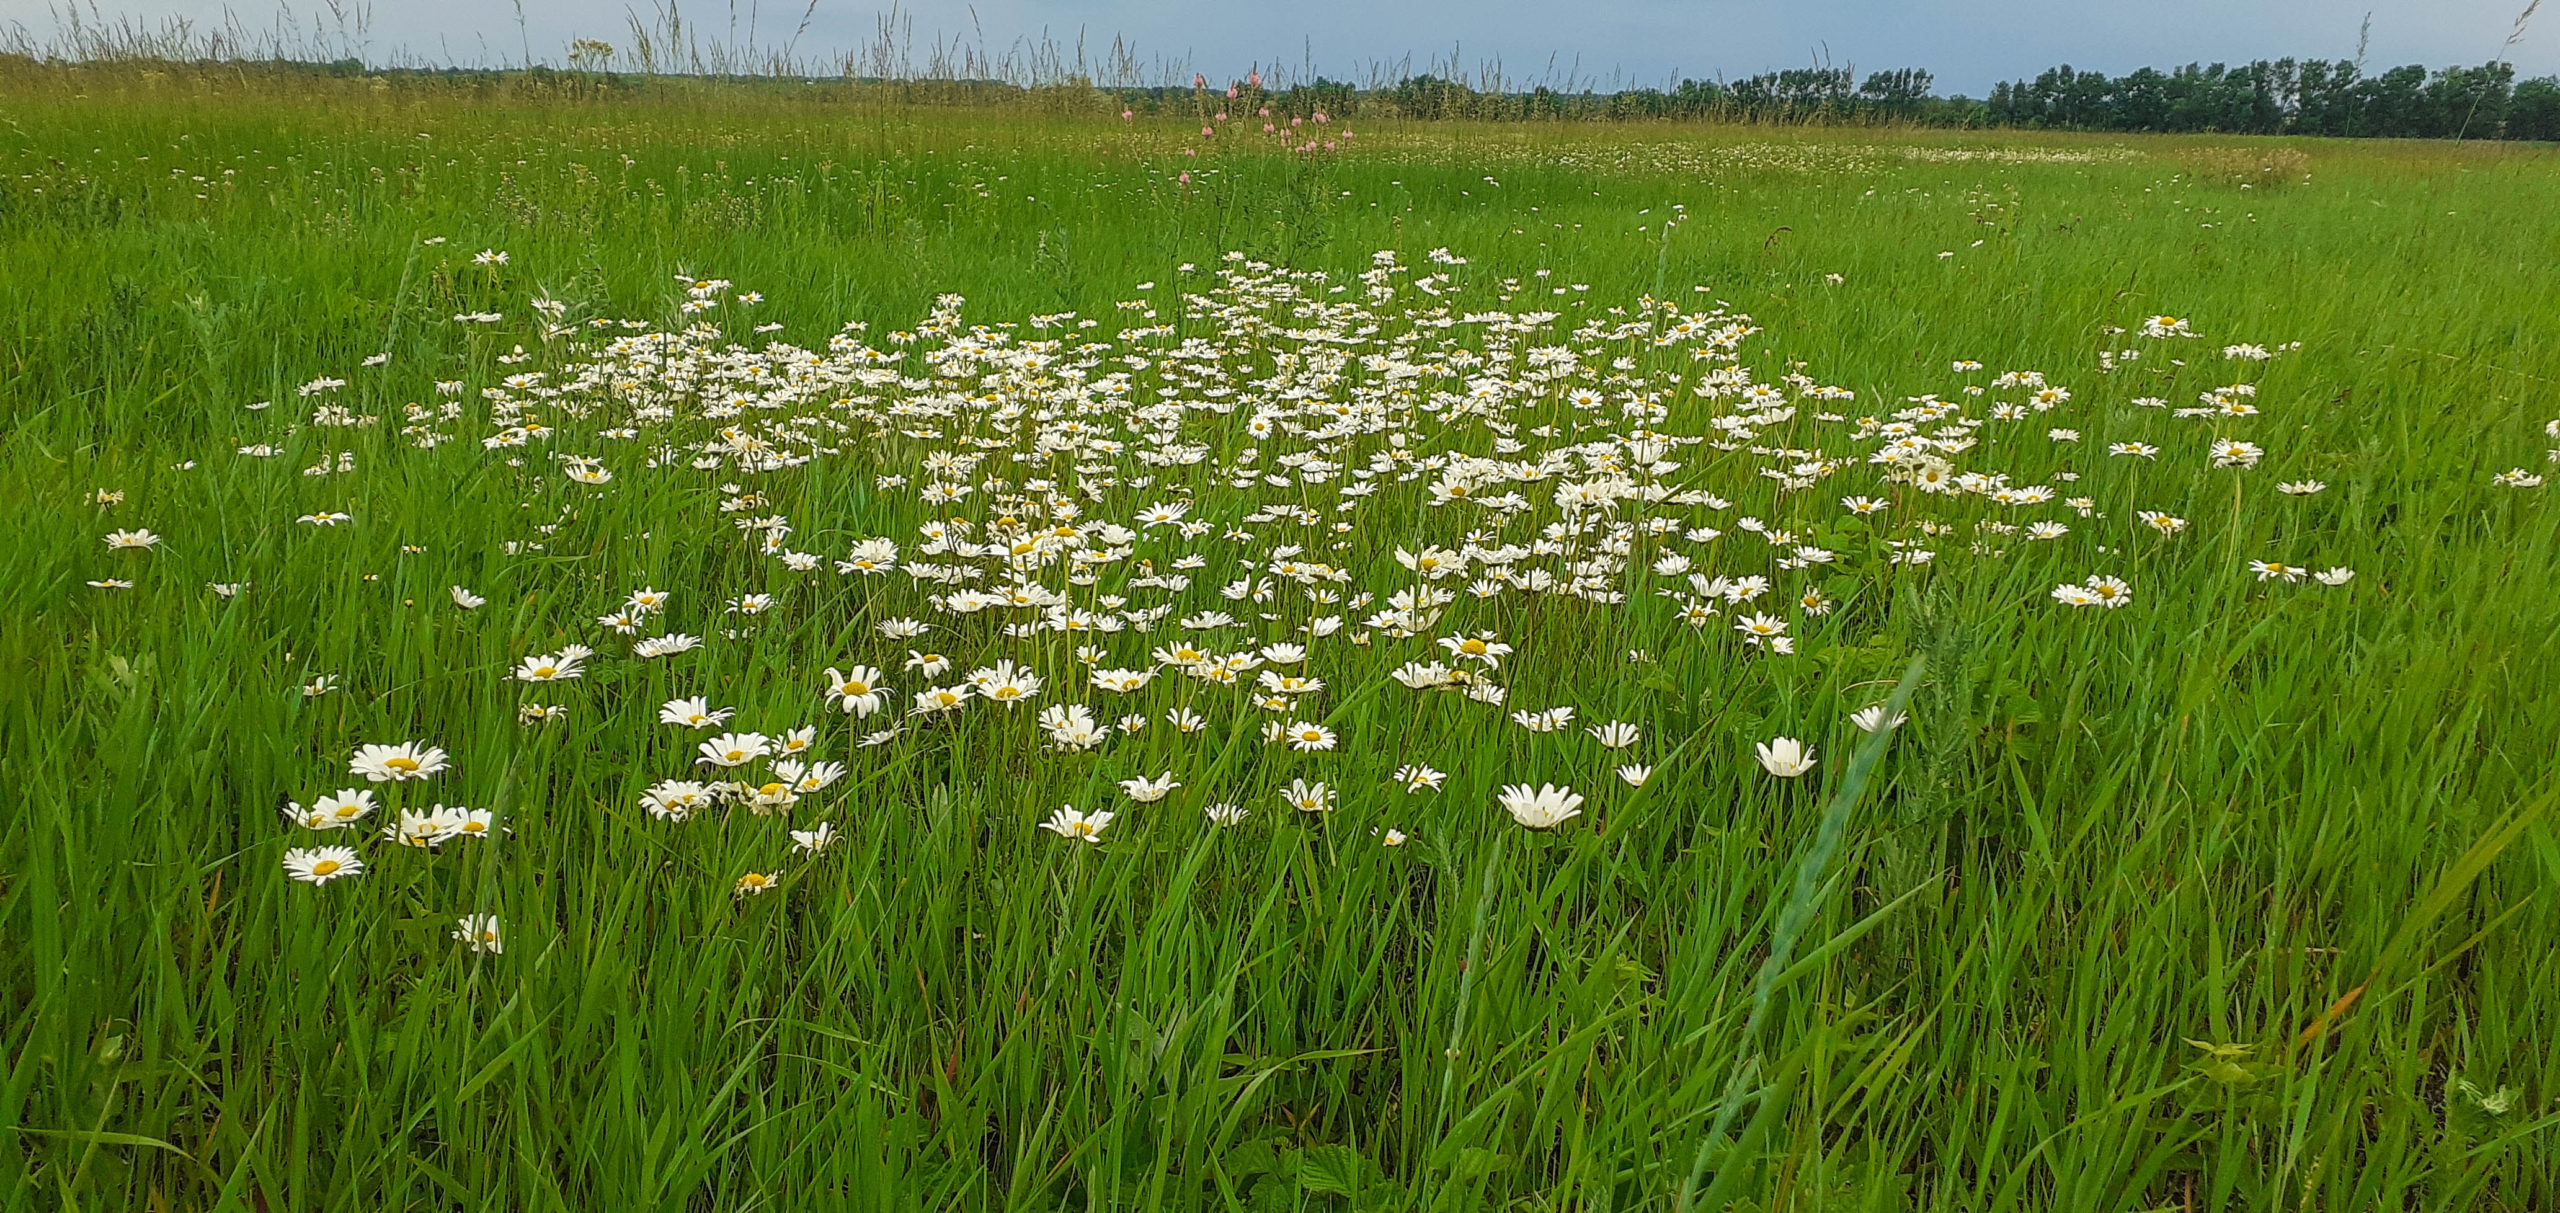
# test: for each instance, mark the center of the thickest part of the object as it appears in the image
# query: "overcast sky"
(1968, 43)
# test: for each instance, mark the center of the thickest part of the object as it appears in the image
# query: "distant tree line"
(2289, 97)
(2278, 97)
(2262, 97)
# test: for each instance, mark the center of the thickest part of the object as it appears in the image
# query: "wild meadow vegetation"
(758, 646)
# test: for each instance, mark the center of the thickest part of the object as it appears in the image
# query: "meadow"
(748, 646)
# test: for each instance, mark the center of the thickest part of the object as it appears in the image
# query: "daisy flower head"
(1308, 797)
(2096, 591)
(694, 713)
(934, 700)
(1760, 629)
(734, 749)
(1786, 757)
(562, 666)
(336, 811)
(1543, 808)
(667, 645)
(769, 798)
(479, 932)
(320, 865)
(1305, 737)
(815, 840)
(459, 822)
(395, 763)
(2232, 453)
(1005, 683)
(676, 799)
(1872, 718)
(858, 691)
(1073, 823)
(2277, 570)
(1483, 647)
(1549, 721)
(806, 778)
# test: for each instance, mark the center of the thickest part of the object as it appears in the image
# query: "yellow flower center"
(401, 764)
(326, 867)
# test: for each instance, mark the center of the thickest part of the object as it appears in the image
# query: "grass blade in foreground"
(1802, 901)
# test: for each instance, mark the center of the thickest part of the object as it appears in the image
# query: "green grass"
(2236, 897)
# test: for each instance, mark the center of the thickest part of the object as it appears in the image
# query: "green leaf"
(1330, 1170)
(1474, 1161)
(1252, 1158)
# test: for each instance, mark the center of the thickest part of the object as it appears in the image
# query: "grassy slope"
(2205, 820)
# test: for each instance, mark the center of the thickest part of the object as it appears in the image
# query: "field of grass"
(2232, 888)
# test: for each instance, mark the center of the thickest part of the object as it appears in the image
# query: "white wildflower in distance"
(479, 932)
(1544, 808)
(1786, 757)
(694, 713)
(1071, 822)
(336, 811)
(815, 840)
(1872, 718)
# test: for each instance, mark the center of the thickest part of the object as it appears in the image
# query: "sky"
(1968, 44)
